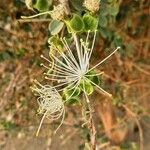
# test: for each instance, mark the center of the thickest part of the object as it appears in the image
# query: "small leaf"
(8, 125)
(93, 77)
(76, 23)
(55, 26)
(70, 93)
(105, 33)
(41, 5)
(90, 23)
(103, 10)
(118, 41)
(87, 87)
(73, 100)
(103, 21)
(54, 40)
(114, 9)
(77, 4)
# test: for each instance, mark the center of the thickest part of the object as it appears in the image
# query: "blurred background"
(127, 76)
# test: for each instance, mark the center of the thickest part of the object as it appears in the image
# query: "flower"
(60, 11)
(68, 69)
(92, 5)
(50, 103)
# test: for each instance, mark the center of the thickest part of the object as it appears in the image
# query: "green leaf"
(114, 9)
(77, 4)
(70, 93)
(41, 5)
(110, 1)
(9, 125)
(55, 26)
(105, 33)
(76, 23)
(73, 100)
(103, 10)
(90, 23)
(93, 77)
(54, 40)
(103, 21)
(86, 86)
(118, 41)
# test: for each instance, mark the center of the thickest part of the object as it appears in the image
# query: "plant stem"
(91, 125)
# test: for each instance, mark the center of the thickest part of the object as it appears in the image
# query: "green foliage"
(8, 125)
(76, 23)
(113, 9)
(77, 5)
(41, 5)
(18, 3)
(103, 22)
(6, 55)
(71, 95)
(105, 33)
(129, 145)
(86, 87)
(90, 23)
(55, 27)
(54, 40)
(93, 77)
(118, 41)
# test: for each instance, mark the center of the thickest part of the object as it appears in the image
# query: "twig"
(68, 137)
(138, 124)
(103, 145)
(91, 124)
(92, 128)
(141, 69)
(33, 20)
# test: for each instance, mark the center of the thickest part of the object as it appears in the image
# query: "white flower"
(68, 69)
(50, 103)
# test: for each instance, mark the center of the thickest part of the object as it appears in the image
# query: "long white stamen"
(59, 75)
(70, 87)
(68, 61)
(37, 133)
(70, 52)
(102, 90)
(75, 87)
(77, 48)
(62, 84)
(52, 63)
(63, 64)
(58, 72)
(58, 66)
(104, 59)
(63, 117)
(90, 53)
(87, 38)
(91, 75)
